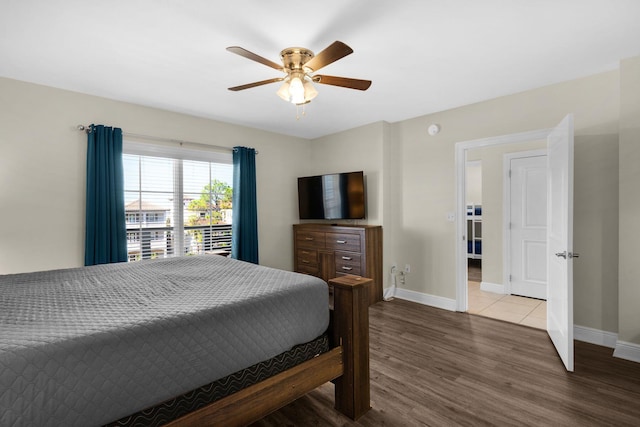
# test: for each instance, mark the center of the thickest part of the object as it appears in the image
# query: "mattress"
(88, 346)
(179, 406)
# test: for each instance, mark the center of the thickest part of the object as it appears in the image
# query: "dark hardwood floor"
(438, 368)
(474, 270)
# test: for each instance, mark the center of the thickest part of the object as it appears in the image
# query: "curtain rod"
(162, 139)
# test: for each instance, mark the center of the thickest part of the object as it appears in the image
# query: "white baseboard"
(492, 287)
(426, 299)
(622, 349)
(595, 336)
(628, 351)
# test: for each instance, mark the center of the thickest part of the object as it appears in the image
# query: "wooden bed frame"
(346, 364)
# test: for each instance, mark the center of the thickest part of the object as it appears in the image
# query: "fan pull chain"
(304, 113)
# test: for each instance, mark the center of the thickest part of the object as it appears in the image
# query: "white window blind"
(175, 203)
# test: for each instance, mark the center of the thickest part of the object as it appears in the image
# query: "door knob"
(569, 255)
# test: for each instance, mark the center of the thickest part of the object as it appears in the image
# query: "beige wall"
(595, 225)
(42, 171)
(629, 292)
(473, 185)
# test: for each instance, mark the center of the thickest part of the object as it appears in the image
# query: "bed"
(94, 345)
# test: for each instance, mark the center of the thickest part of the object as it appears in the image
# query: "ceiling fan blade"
(343, 82)
(335, 51)
(250, 55)
(254, 84)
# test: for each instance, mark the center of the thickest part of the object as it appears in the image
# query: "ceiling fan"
(299, 65)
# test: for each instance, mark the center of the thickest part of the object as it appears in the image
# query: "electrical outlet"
(451, 216)
(407, 268)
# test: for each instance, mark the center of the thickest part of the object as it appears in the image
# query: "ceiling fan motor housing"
(294, 58)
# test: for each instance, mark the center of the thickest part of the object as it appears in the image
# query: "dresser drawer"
(348, 263)
(308, 269)
(310, 239)
(343, 242)
(307, 257)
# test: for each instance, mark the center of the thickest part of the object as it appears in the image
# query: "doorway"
(491, 295)
(490, 151)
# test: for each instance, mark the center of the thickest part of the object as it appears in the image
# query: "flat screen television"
(332, 196)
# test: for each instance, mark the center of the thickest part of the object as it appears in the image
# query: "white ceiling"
(423, 56)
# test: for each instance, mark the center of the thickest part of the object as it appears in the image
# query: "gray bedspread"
(90, 345)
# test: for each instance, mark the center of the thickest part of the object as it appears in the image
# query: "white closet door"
(528, 226)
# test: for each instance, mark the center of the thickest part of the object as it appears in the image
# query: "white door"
(560, 239)
(528, 226)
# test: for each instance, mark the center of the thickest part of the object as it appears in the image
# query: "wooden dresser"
(329, 251)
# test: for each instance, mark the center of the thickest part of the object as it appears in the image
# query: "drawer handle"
(347, 268)
(342, 242)
(304, 261)
(308, 238)
(305, 252)
(346, 258)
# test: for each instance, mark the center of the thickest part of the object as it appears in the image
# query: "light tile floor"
(510, 308)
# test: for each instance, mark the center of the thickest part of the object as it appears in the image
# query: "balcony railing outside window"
(160, 242)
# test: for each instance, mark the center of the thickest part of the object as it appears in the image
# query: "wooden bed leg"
(350, 319)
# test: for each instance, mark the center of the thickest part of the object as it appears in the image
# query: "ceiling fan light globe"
(296, 90)
(310, 91)
(283, 92)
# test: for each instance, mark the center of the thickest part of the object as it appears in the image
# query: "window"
(133, 218)
(177, 201)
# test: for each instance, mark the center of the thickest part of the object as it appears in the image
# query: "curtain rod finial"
(84, 128)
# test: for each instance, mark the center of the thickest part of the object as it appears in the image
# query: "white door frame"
(506, 211)
(461, 148)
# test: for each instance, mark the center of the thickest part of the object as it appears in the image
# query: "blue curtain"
(106, 230)
(244, 239)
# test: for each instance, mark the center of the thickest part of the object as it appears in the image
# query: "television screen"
(332, 196)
